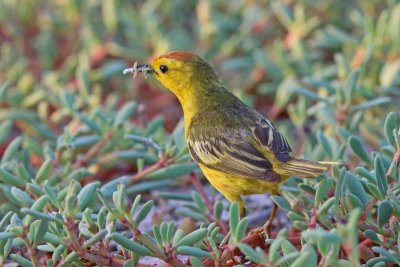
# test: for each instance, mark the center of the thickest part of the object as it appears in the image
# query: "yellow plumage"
(233, 187)
(239, 151)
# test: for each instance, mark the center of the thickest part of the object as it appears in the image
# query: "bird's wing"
(268, 136)
(231, 152)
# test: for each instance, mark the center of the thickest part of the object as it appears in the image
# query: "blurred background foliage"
(278, 56)
(327, 72)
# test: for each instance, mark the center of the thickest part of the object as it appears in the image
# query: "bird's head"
(183, 72)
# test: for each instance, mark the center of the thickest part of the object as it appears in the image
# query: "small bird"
(239, 151)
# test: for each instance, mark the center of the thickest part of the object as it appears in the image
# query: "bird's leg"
(266, 228)
(268, 225)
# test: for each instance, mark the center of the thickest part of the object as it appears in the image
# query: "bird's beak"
(140, 68)
(145, 68)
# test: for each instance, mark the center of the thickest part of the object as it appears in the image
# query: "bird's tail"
(304, 168)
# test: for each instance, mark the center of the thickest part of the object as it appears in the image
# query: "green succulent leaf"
(40, 215)
(143, 212)
(358, 148)
(282, 202)
(195, 262)
(192, 238)
(130, 245)
(194, 251)
(389, 127)
(44, 171)
(356, 188)
(322, 189)
(250, 253)
(172, 171)
(372, 235)
(5, 220)
(371, 103)
(380, 174)
(6, 235)
(387, 254)
(96, 238)
(124, 113)
(22, 197)
(241, 229)
(351, 85)
(179, 234)
(384, 213)
(218, 208)
(234, 217)
(21, 260)
(10, 179)
(11, 150)
(86, 194)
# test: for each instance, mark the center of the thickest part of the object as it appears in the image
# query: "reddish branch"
(251, 240)
(254, 240)
(367, 209)
(341, 115)
(84, 253)
(199, 187)
(138, 176)
(92, 151)
(314, 217)
(31, 250)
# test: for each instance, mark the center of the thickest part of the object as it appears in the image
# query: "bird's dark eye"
(163, 68)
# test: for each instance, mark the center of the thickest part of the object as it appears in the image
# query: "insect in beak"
(145, 68)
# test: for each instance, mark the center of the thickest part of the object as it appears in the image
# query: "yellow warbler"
(239, 151)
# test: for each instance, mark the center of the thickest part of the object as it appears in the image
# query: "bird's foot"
(267, 229)
(256, 231)
(264, 230)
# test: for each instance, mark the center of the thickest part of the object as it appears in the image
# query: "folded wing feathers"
(267, 135)
(232, 155)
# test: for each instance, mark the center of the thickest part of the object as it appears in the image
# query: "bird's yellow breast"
(232, 186)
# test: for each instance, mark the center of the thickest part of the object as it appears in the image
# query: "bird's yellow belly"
(232, 186)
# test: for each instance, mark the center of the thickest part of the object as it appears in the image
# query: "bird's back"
(235, 139)
(228, 137)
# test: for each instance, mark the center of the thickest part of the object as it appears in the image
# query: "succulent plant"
(81, 160)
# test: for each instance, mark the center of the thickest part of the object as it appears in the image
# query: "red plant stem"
(341, 115)
(295, 240)
(368, 208)
(347, 250)
(367, 242)
(158, 252)
(138, 176)
(92, 151)
(386, 232)
(389, 232)
(31, 250)
(253, 240)
(83, 253)
(314, 216)
(55, 162)
(199, 187)
(173, 261)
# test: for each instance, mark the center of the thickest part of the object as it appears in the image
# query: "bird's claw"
(264, 230)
